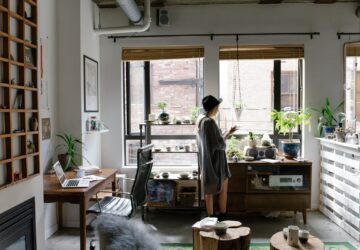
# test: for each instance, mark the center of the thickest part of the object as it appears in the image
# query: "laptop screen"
(59, 172)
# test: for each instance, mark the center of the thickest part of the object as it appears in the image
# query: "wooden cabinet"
(261, 186)
(19, 112)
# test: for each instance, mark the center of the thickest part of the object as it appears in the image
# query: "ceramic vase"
(34, 124)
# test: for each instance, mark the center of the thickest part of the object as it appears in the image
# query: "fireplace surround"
(18, 227)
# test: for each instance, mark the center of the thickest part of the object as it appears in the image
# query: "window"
(258, 82)
(160, 78)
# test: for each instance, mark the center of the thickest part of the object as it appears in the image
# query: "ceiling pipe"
(130, 8)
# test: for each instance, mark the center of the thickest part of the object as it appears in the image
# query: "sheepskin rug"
(116, 232)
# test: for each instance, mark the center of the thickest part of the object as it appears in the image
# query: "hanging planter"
(239, 107)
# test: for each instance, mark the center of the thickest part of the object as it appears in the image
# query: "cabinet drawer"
(237, 182)
(278, 201)
(236, 202)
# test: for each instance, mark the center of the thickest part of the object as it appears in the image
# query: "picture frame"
(45, 128)
(91, 86)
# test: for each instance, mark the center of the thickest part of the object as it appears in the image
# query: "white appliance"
(286, 181)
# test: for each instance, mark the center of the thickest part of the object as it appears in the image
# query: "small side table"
(234, 232)
(278, 242)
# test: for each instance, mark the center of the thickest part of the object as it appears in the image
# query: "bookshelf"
(19, 105)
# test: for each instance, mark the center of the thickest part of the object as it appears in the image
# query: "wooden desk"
(53, 192)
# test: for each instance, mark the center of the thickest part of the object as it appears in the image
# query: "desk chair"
(126, 207)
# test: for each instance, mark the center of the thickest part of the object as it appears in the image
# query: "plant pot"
(328, 131)
(164, 117)
(340, 136)
(64, 159)
(290, 149)
(238, 112)
(252, 143)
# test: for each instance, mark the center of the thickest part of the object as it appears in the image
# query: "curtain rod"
(339, 34)
(311, 34)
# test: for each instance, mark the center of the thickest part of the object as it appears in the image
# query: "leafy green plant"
(162, 106)
(239, 105)
(195, 112)
(71, 145)
(252, 137)
(233, 148)
(287, 121)
(329, 116)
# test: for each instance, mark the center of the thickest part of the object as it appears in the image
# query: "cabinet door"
(237, 182)
(236, 202)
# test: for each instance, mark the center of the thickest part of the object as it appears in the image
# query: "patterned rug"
(259, 246)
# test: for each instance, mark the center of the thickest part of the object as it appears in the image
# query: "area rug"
(259, 246)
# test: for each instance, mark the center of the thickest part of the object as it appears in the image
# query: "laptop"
(69, 183)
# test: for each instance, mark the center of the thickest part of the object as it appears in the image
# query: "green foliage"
(70, 144)
(252, 137)
(195, 112)
(328, 114)
(233, 148)
(287, 121)
(162, 106)
(239, 105)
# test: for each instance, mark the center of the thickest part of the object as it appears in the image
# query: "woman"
(212, 156)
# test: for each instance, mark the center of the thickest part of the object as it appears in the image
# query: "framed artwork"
(91, 93)
(45, 128)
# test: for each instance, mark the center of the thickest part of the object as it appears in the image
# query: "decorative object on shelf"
(186, 120)
(164, 116)
(30, 146)
(195, 112)
(293, 236)
(30, 84)
(233, 149)
(34, 124)
(187, 148)
(15, 131)
(18, 101)
(340, 134)
(45, 128)
(71, 145)
(91, 93)
(17, 175)
(165, 175)
(152, 117)
(351, 137)
(327, 121)
(285, 122)
(28, 56)
(12, 57)
(266, 140)
(12, 81)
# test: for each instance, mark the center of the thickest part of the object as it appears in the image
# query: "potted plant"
(285, 122)
(163, 117)
(195, 112)
(233, 149)
(252, 140)
(70, 144)
(327, 121)
(238, 109)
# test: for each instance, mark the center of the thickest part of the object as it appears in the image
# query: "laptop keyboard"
(72, 183)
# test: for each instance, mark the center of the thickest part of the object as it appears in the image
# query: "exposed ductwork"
(141, 23)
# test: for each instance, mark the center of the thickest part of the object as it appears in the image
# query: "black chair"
(126, 207)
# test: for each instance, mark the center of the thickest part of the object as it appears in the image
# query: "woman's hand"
(230, 132)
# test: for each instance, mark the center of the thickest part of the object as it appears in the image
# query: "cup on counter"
(80, 173)
(152, 117)
(168, 148)
(187, 148)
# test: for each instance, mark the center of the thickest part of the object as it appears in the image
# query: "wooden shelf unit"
(18, 91)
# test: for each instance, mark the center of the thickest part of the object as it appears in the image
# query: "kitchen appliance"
(286, 181)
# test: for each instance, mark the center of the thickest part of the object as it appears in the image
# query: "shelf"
(20, 64)
(24, 110)
(15, 39)
(3, 59)
(30, 2)
(16, 182)
(4, 110)
(20, 157)
(5, 161)
(5, 136)
(33, 154)
(174, 152)
(28, 66)
(30, 23)
(3, 9)
(14, 86)
(3, 34)
(4, 85)
(30, 45)
(15, 15)
(170, 124)
(32, 132)
(18, 134)
(97, 131)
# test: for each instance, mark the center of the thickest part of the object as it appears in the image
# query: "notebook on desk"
(68, 183)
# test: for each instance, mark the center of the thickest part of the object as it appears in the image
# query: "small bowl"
(220, 228)
(165, 175)
(184, 175)
(304, 236)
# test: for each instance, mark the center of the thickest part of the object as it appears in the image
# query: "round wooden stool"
(278, 242)
(236, 238)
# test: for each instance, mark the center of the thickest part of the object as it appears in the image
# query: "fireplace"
(17, 227)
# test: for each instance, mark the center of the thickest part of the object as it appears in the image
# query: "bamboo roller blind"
(352, 49)
(144, 54)
(261, 52)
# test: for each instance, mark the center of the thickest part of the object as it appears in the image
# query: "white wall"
(14, 195)
(323, 56)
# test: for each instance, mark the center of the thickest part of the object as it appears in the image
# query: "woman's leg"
(209, 204)
(223, 197)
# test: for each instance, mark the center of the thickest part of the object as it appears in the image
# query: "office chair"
(126, 207)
